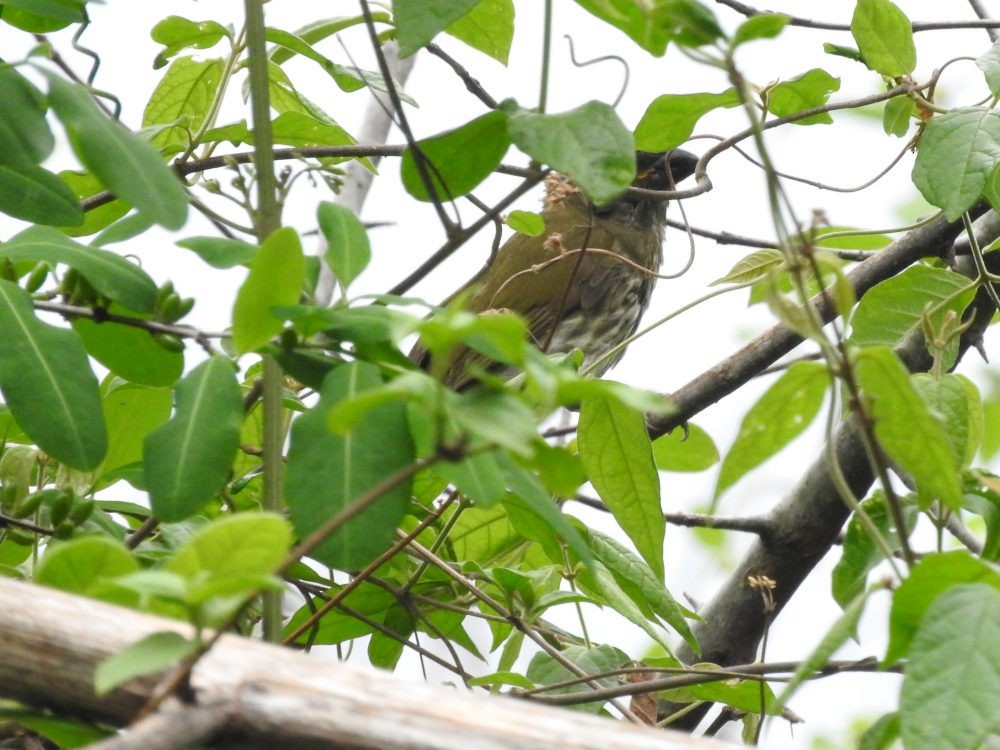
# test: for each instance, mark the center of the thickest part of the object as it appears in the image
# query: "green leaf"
(956, 155)
(128, 165)
(954, 401)
(176, 33)
(843, 628)
(275, 279)
(348, 251)
(526, 222)
(894, 307)
(183, 96)
(151, 655)
(616, 454)
(897, 115)
(43, 16)
(641, 584)
(653, 23)
(458, 160)
(950, 699)
(48, 385)
(187, 460)
(885, 38)
(34, 194)
(220, 252)
(754, 267)
(86, 566)
(881, 734)
(130, 352)
(690, 449)
(327, 471)
(989, 63)
(109, 274)
(319, 30)
(367, 599)
(669, 119)
(488, 27)
(905, 428)
(531, 498)
(64, 733)
(477, 477)
(131, 412)
(932, 576)
(85, 185)
(859, 554)
(811, 89)
(760, 26)
(419, 21)
(26, 136)
(248, 544)
(589, 144)
(306, 130)
(544, 670)
(778, 417)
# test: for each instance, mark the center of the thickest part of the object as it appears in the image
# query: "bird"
(585, 281)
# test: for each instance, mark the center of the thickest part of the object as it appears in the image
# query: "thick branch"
(736, 370)
(273, 698)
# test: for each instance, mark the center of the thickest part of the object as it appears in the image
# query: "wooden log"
(271, 697)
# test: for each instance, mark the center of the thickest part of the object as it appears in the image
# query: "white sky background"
(848, 154)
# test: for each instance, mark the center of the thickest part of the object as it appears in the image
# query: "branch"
(808, 23)
(272, 697)
(736, 370)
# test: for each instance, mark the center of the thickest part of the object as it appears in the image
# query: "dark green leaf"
(110, 274)
(419, 21)
(48, 385)
(34, 194)
(43, 16)
(956, 156)
(130, 352)
(488, 27)
(459, 160)
(128, 165)
(589, 144)
(859, 551)
(187, 460)
(905, 428)
(932, 576)
(85, 185)
(327, 471)
(544, 670)
(616, 454)
(23, 130)
(950, 699)
(653, 23)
